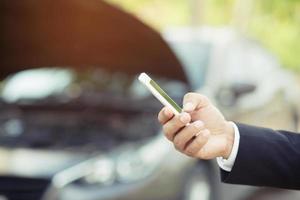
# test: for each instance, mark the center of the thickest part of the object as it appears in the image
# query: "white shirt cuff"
(227, 164)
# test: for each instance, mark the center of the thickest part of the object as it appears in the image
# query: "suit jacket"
(266, 158)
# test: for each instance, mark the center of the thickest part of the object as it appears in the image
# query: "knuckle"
(203, 156)
(168, 137)
(178, 123)
(176, 119)
(203, 99)
(177, 143)
(166, 131)
(198, 141)
(176, 147)
(162, 121)
(191, 151)
(193, 130)
(189, 95)
(201, 135)
(159, 118)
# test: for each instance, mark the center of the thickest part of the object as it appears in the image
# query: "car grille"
(78, 125)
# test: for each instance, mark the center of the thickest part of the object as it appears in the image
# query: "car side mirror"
(228, 96)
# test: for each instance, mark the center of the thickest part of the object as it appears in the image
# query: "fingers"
(165, 115)
(171, 127)
(193, 101)
(182, 138)
(196, 145)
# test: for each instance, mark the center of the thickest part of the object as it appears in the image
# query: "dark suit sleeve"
(266, 158)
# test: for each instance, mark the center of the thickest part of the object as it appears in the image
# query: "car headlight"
(129, 164)
(103, 172)
(124, 166)
(137, 164)
(132, 167)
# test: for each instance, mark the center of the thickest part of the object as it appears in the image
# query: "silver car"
(84, 128)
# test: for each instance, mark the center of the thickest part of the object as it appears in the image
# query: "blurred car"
(69, 131)
(245, 80)
(76, 124)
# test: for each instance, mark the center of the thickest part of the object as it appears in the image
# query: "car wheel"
(199, 184)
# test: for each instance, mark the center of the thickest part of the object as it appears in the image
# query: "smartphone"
(159, 93)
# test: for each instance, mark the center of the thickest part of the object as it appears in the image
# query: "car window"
(193, 51)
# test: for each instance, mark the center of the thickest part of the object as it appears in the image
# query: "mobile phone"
(159, 93)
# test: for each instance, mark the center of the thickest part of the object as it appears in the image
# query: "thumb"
(194, 101)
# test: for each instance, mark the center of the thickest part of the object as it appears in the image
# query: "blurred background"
(75, 124)
(274, 24)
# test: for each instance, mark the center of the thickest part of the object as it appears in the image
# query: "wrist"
(229, 135)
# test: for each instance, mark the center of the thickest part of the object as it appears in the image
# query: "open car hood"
(80, 34)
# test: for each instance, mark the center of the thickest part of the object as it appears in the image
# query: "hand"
(200, 131)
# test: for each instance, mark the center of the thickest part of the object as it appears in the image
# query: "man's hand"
(200, 131)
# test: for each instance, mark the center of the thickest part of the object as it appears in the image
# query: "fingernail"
(198, 124)
(185, 118)
(188, 106)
